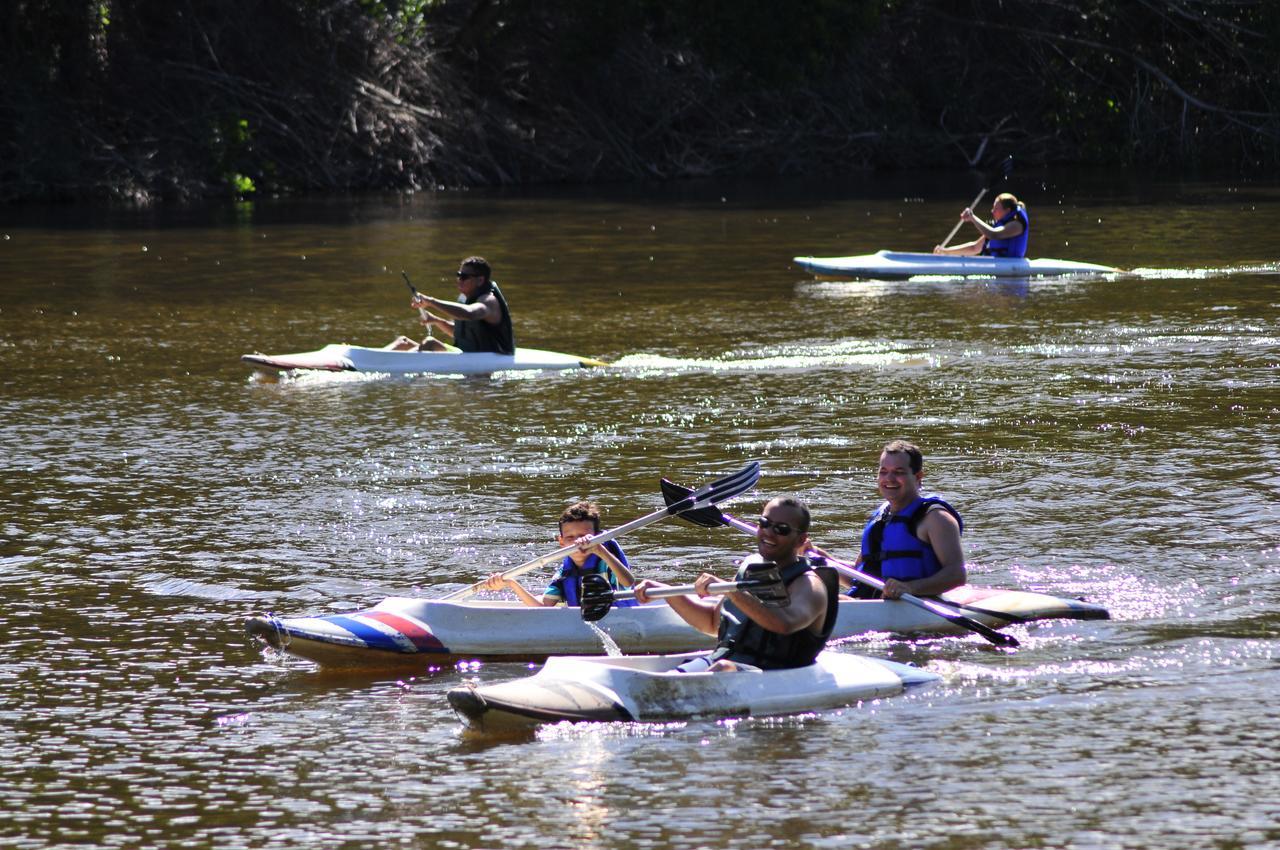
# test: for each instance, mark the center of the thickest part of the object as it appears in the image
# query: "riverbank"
(132, 103)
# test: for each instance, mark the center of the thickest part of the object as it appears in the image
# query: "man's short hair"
(908, 449)
(799, 506)
(481, 265)
(579, 512)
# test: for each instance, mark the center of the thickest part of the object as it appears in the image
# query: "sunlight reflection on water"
(1108, 438)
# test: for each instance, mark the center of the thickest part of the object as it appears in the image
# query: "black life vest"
(742, 640)
(479, 335)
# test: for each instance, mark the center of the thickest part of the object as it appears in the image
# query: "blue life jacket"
(890, 548)
(741, 639)
(1015, 247)
(479, 335)
(568, 579)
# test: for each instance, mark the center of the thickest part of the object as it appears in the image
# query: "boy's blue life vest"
(567, 582)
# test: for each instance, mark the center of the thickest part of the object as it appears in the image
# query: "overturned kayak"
(355, 358)
(406, 631)
(647, 688)
(894, 265)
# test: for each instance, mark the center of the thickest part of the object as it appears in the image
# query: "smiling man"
(750, 632)
(913, 539)
(478, 321)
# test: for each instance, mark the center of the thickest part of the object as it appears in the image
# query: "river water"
(1113, 438)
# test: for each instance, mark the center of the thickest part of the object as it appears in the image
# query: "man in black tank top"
(478, 321)
(790, 636)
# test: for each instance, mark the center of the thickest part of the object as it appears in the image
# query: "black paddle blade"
(597, 597)
(764, 582)
(729, 487)
(1006, 166)
(708, 517)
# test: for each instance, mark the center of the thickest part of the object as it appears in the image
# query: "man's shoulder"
(936, 515)
(811, 575)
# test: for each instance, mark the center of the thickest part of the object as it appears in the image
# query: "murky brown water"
(1113, 438)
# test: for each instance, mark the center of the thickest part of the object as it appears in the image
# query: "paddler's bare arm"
(486, 309)
(808, 606)
(702, 614)
(498, 582)
(966, 249)
(1005, 231)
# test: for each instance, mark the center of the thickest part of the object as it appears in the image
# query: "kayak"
(406, 631)
(647, 688)
(903, 264)
(402, 630)
(356, 358)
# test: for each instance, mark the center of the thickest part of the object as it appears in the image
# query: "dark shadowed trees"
(143, 99)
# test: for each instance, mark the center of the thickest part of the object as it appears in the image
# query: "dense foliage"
(151, 98)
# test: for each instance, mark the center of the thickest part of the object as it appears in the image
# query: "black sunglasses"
(782, 529)
(465, 275)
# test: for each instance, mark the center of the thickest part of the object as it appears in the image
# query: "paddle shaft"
(422, 311)
(956, 229)
(722, 489)
(551, 557)
(716, 588)
(598, 598)
(843, 567)
(1006, 168)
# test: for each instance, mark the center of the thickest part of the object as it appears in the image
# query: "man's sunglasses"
(782, 529)
(465, 275)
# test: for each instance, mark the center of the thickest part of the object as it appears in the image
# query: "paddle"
(765, 584)
(720, 490)
(422, 311)
(712, 517)
(1006, 168)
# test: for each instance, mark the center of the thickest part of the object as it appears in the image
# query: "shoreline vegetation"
(142, 102)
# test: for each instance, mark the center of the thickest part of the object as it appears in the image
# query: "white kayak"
(340, 357)
(404, 631)
(647, 688)
(894, 265)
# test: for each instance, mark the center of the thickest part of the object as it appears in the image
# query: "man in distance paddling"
(478, 321)
(1005, 236)
(749, 632)
(912, 540)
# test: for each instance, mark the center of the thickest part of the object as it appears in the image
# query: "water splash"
(611, 647)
